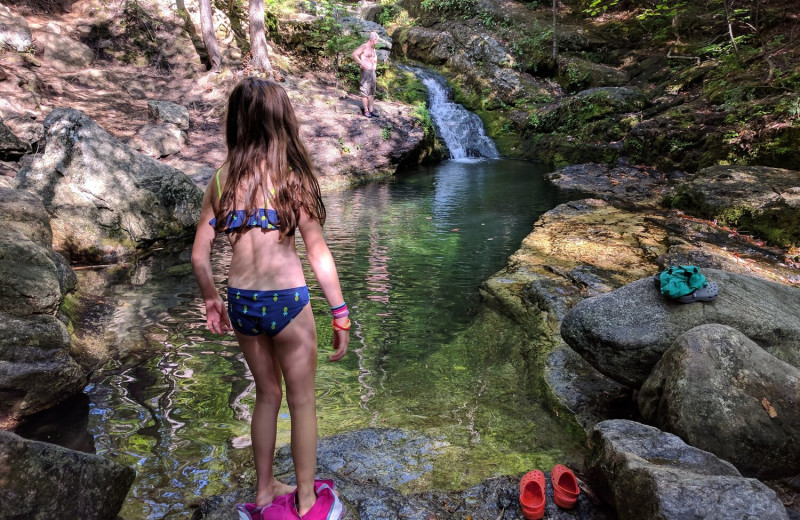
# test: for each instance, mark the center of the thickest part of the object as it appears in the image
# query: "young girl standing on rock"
(265, 191)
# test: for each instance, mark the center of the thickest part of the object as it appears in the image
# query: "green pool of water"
(411, 253)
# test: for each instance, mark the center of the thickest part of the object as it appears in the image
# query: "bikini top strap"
(219, 191)
(270, 194)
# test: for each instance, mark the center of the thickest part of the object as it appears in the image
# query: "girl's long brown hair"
(262, 135)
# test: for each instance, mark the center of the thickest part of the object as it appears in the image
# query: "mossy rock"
(757, 199)
(778, 147)
(607, 105)
(562, 149)
(576, 74)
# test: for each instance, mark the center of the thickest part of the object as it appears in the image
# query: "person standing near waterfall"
(367, 59)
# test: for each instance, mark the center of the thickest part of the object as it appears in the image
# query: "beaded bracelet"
(340, 311)
(340, 327)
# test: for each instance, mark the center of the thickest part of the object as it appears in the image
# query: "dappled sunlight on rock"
(106, 199)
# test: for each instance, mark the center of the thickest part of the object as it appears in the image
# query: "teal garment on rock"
(680, 280)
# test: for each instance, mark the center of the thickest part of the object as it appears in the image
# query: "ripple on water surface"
(411, 253)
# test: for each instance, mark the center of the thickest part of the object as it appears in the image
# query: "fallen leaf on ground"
(768, 407)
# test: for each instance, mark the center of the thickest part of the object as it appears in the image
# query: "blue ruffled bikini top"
(265, 218)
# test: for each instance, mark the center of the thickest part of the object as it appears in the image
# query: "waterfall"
(461, 130)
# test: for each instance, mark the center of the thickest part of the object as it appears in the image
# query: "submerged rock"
(646, 473)
(41, 481)
(389, 457)
(721, 392)
(623, 334)
(106, 199)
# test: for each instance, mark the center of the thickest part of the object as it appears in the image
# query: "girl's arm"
(321, 260)
(216, 315)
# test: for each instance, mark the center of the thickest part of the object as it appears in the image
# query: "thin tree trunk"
(209, 35)
(730, 31)
(555, 39)
(258, 39)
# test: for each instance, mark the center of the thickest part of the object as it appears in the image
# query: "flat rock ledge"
(624, 186)
(370, 465)
(589, 247)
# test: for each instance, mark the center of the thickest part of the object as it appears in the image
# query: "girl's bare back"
(262, 260)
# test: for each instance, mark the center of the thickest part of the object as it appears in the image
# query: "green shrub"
(461, 6)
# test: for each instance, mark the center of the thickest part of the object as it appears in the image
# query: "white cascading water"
(461, 130)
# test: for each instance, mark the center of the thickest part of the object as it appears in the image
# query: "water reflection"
(411, 253)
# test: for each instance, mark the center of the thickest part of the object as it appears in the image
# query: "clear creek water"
(411, 253)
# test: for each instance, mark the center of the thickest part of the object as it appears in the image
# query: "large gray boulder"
(36, 370)
(24, 212)
(646, 473)
(169, 113)
(43, 481)
(168, 135)
(29, 281)
(362, 27)
(14, 30)
(715, 389)
(106, 199)
(159, 140)
(370, 465)
(64, 53)
(624, 333)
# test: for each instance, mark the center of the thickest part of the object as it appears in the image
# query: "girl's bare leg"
(260, 355)
(296, 350)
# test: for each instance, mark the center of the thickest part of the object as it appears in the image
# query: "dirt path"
(343, 143)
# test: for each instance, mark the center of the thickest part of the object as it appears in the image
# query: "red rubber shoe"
(531, 495)
(565, 487)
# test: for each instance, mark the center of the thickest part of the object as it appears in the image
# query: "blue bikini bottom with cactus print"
(265, 312)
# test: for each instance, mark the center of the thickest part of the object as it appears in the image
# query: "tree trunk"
(555, 39)
(259, 59)
(209, 35)
(730, 31)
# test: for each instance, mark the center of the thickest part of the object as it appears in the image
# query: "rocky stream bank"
(66, 110)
